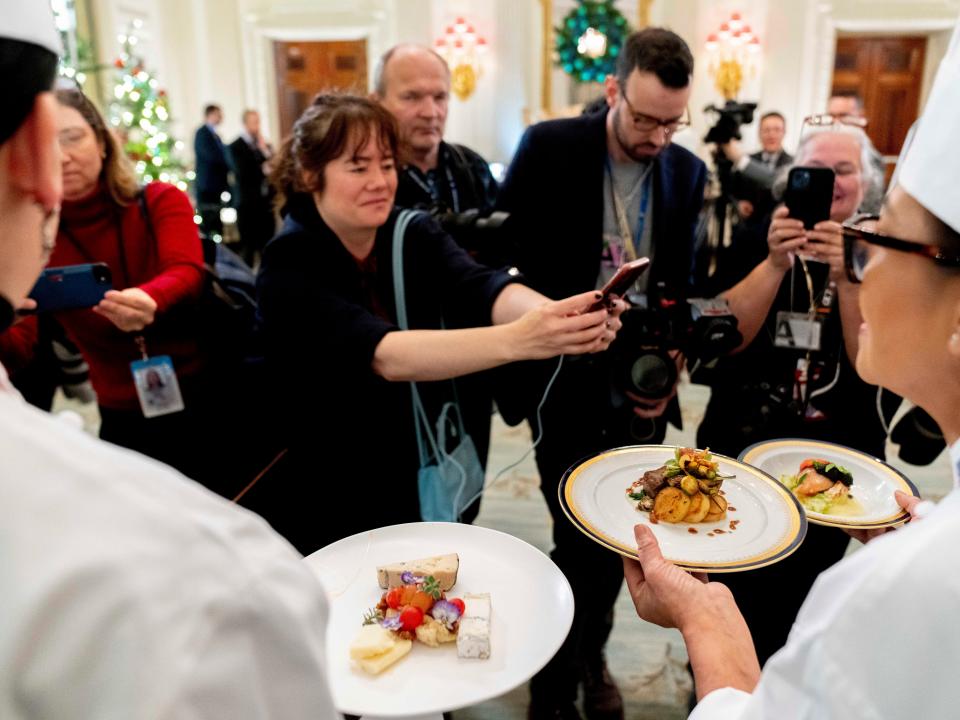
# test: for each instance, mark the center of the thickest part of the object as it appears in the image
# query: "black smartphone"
(71, 287)
(622, 281)
(809, 194)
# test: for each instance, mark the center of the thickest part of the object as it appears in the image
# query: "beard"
(638, 152)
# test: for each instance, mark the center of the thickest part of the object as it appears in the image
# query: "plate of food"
(709, 512)
(836, 485)
(430, 617)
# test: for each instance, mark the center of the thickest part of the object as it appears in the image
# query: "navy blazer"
(554, 193)
(212, 164)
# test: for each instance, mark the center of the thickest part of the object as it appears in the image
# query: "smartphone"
(71, 286)
(622, 281)
(809, 194)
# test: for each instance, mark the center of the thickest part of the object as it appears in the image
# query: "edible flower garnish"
(408, 578)
(446, 612)
(391, 623)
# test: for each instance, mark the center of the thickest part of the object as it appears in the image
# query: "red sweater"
(171, 273)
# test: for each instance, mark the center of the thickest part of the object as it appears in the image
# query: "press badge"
(797, 331)
(157, 386)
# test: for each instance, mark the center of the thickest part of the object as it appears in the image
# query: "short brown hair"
(117, 173)
(322, 134)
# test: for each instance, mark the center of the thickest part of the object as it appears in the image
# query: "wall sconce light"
(463, 49)
(732, 54)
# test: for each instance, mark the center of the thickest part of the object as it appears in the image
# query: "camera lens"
(801, 179)
(652, 375)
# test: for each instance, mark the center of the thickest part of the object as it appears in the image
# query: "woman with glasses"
(148, 239)
(795, 377)
(876, 638)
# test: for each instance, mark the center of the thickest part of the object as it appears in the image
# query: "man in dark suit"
(212, 169)
(585, 194)
(251, 154)
(753, 174)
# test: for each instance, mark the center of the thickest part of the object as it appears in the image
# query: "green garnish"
(373, 616)
(431, 587)
(638, 496)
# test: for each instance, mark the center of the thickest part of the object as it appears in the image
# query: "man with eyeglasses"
(587, 194)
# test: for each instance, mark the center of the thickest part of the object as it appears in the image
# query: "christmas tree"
(141, 117)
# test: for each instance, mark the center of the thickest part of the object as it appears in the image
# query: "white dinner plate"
(874, 482)
(531, 605)
(771, 524)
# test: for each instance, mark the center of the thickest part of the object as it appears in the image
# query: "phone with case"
(809, 194)
(71, 287)
(626, 275)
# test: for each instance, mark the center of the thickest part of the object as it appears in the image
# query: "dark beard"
(622, 142)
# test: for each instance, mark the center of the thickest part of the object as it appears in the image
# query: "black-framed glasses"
(860, 233)
(647, 123)
(826, 120)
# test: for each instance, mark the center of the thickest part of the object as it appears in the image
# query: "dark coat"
(212, 165)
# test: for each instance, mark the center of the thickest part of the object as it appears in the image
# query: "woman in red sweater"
(155, 256)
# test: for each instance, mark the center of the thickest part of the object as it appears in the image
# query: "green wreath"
(603, 17)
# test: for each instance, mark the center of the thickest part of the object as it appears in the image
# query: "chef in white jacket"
(878, 636)
(126, 590)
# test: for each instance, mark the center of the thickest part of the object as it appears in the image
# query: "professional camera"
(472, 231)
(730, 117)
(640, 361)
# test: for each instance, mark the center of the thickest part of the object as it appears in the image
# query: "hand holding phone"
(809, 194)
(621, 282)
(71, 287)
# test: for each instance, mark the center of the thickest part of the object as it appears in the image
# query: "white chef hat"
(30, 21)
(931, 170)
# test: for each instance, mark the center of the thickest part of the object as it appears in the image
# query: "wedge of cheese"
(442, 567)
(371, 641)
(377, 664)
(473, 637)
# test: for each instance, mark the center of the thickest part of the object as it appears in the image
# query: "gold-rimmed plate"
(764, 522)
(874, 481)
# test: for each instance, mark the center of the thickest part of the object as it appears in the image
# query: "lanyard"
(630, 248)
(431, 187)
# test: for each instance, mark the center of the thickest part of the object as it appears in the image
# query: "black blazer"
(248, 173)
(212, 164)
(554, 194)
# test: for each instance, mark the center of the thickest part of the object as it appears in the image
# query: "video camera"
(640, 361)
(730, 117)
(472, 231)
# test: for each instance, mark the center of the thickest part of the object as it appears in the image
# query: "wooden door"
(305, 68)
(886, 73)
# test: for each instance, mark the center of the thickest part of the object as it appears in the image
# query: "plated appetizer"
(415, 608)
(823, 487)
(684, 489)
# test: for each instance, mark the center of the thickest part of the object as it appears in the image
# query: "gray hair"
(380, 71)
(871, 164)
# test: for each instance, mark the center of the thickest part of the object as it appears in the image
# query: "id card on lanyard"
(155, 380)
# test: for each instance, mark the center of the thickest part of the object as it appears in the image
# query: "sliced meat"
(653, 480)
(812, 483)
(837, 491)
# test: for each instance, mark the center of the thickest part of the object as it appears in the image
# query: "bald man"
(413, 83)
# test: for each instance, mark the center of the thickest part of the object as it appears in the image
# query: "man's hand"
(130, 310)
(647, 408)
(744, 208)
(915, 506)
(732, 150)
(785, 236)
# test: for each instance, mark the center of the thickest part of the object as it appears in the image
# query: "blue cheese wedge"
(443, 568)
(473, 637)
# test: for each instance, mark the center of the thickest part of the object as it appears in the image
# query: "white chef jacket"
(877, 637)
(128, 591)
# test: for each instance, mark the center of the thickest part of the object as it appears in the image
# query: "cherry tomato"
(459, 603)
(393, 598)
(809, 463)
(411, 618)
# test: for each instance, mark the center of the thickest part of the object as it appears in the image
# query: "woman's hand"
(825, 243)
(130, 310)
(917, 508)
(565, 327)
(785, 236)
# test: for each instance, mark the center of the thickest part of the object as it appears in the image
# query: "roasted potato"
(699, 506)
(671, 505)
(718, 508)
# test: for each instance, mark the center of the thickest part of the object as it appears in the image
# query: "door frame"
(259, 34)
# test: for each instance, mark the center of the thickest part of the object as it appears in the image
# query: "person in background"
(849, 106)
(148, 239)
(128, 590)
(838, 661)
(213, 167)
(447, 180)
(753, 174)
(585, 195)
(251, 154)
(331, 337)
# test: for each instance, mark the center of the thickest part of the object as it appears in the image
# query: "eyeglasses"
(826, 119)
(646, 123)
(858, 238)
